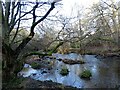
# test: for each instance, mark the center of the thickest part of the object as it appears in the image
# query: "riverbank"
(28, 84)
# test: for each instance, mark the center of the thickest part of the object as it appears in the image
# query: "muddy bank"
(46, 85)
(31, 84)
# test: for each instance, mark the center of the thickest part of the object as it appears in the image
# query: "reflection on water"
(105, 73)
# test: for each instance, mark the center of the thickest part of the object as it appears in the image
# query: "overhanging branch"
(26, 40)
(52, 7)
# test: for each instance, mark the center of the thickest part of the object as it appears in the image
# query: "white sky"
(71, 7)
(68, 5)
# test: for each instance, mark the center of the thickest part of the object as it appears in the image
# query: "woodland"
(35, 31)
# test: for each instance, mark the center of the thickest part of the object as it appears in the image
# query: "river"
(105, 71)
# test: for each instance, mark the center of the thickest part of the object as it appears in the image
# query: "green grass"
(64, 71)
(86, 74)
(35, 65)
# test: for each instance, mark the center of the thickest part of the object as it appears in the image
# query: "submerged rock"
(50, 57)
(68, 61)
(59, 59)
(26, 72)
(43, 72)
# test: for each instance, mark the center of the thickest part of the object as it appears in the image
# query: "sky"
(71, 5)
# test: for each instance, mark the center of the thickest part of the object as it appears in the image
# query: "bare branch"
(17, 28)
(12, 23)
(52, 7)
(26, 40)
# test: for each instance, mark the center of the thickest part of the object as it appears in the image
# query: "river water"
(105, 72)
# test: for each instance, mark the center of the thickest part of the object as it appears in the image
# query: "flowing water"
(105, 72)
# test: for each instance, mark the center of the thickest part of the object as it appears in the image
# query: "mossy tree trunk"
(10, 64)
(40, 54)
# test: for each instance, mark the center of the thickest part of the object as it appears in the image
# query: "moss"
(64, 71)
(25, 69)
(35, 65)
(86, 74)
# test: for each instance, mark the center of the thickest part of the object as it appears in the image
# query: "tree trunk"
(10, 65)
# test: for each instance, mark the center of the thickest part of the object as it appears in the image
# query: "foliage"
(35, 65)
(86, 74)
(64, 71)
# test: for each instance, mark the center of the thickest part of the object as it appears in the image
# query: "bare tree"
(13, 13)
(103, 18)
